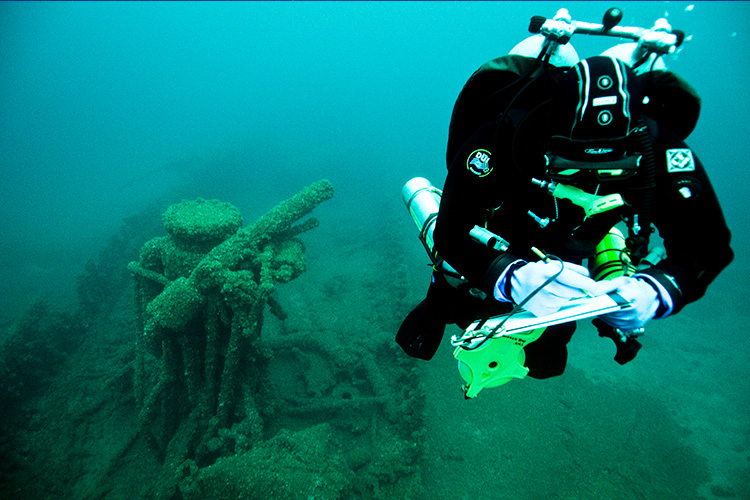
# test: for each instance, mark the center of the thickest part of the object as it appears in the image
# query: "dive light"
(488, 238)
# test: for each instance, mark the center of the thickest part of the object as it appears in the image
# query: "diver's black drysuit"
(684, 209)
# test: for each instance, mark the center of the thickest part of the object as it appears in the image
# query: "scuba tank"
(422, 199)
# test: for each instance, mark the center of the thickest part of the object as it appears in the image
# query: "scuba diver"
(546, 155)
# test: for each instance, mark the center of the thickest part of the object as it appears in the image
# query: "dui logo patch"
(680, 160)
(478, 162)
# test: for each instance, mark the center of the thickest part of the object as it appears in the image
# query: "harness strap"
(639, 229)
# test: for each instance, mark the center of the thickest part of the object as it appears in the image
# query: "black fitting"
(536, 23)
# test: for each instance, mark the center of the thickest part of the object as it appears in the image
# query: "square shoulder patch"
(680, 160)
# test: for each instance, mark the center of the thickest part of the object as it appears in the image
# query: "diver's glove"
(642, 296)
(524, 278)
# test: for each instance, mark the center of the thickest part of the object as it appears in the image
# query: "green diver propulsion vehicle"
(490, 352)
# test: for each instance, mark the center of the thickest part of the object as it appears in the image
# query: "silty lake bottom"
(271, 372)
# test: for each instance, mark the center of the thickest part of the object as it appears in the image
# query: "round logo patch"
(478, 162)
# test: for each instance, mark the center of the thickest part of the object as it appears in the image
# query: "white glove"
(642, 296)
(572, 283)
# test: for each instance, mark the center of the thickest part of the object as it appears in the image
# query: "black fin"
(420, 333)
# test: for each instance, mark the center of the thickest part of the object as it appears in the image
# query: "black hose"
(637, 241)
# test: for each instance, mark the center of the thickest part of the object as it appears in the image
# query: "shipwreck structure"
(201, 292)
(309, 412)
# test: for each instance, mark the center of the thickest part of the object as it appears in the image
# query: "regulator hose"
(639, 234)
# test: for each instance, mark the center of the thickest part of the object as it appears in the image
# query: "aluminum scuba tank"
(422, 199)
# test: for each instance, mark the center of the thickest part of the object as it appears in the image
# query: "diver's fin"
(626, 351)
(420, 333)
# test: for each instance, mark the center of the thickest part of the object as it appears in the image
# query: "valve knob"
(611, 18)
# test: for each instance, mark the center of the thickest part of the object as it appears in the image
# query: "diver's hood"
(595, 112)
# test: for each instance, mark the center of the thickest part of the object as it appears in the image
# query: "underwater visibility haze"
(135, 137)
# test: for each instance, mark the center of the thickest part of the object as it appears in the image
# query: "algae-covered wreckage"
(198, 403)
